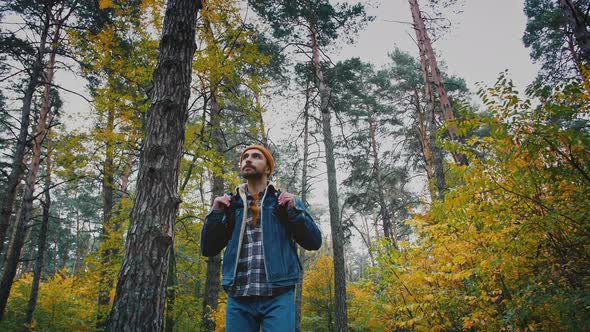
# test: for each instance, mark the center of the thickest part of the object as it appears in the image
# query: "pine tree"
(141, 285)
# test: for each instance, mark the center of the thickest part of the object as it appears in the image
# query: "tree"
(364, 97)
(557, 34)
(430, 70)
(57, 20)
(45, 12)
(116, 59)
(141, 286)
(322, 23)
(409, 91)
(42, 239)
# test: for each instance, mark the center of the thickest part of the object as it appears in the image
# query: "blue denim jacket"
(279, 250)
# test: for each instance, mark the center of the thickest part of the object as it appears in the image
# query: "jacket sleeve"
(303, 228)
(214, 235)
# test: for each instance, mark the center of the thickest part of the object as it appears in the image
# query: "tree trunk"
(27, 257)
(388, 229)
(437, 157)
(171, 293)
(13, 257)
(335, 223)
(429, 67)
(41, 241)
(304, 185)
(367, 239)
(13, 233)
(427, 51)
(423, 137)
(105, 282)
(261, 119)
(578, 24)
(18, 167)
(212, 282)
(78, 252)
(141, 287)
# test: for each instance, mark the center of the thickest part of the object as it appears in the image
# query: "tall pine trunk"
(437, 156)
(304, 185)
(105, 282)
(388, 228)
(431, 126)
(141, 287)
(423, 137)
(12, 258)
(427, 52)
(335, 223)
(41, 240)
(18, 168)
(212, 282)
(261, 125)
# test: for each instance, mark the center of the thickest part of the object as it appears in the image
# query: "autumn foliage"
(508, 249)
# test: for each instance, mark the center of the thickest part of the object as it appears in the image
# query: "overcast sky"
(485, 39)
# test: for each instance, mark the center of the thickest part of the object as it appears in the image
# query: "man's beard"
(252, 175)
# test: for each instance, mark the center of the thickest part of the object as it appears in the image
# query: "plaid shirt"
(251, 276)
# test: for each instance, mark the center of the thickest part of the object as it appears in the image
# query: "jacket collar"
(242, 188)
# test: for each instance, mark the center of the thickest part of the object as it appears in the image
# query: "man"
(260, 226)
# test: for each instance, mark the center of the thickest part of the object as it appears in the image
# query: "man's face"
(253, 164)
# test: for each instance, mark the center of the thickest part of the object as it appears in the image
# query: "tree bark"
(579, 27)
(78, 253)
(41, 241)
(13, 257)
(335, 222)
(427, 62)
(105, 282)
(212, 282)
(141, 287)
(13, 232)
(423, 137)
(437, 156)
(261, 119)
(171, 293)
(304, 185)
(427, 52)
(18, 167)
(26, 258)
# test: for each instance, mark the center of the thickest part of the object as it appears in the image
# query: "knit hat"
(265, 152)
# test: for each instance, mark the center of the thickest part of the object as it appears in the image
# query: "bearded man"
(260, 226)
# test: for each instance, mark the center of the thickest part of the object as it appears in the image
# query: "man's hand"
(287, 199)
(221, 202)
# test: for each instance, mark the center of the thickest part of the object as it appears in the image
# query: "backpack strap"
(230, 214)
(282, 215)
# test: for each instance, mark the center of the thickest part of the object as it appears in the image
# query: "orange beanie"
(265, 152)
